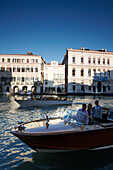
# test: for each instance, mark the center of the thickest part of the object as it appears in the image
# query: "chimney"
(80, 48)
(83, 48)
(105, 49)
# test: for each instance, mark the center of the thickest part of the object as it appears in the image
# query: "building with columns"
(54, 78)
(88, 71)
(21, 73)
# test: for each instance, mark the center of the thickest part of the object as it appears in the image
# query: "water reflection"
(71, 160)
(15, 153)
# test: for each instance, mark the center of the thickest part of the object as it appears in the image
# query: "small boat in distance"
(43, 101)
(65, 134)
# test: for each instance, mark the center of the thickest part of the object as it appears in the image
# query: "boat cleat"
(21, 126)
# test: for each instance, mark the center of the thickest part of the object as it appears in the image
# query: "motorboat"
(65, 134)
(43, 101)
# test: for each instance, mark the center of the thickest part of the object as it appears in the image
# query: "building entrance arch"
(15, 89)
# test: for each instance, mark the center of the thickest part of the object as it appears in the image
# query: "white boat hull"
(26, 103)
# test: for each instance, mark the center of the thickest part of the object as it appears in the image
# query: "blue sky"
(48, 27)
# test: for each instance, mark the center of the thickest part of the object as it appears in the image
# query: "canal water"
(14, 154)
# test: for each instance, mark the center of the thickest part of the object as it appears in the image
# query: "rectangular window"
(27, 69)
(23, 60)
(89, 60)
(18, 60)
(14, 69)
(18, 79)
(82, 60)
(73, 59)
(2, 69)
(36, 60)
(8, 60)
(14, 60)
(98, 60)
(23, 79)
(107, 61)
(93, 60)
(23, 69)
(103, 61)
(18, 69)
(31, 69)
(3, 60)
(32, 60)
(36, 69)
(8, 69)
(14, 79)
(27, 60)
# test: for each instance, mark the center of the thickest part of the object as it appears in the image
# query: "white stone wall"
(77, 80)
(26, 61)
(54, 77)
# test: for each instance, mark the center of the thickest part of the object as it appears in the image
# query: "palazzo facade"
(82, 71)
(21, 73)
(88, 71)
(54, 78)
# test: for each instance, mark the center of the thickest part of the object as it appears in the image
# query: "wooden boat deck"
(56, 126)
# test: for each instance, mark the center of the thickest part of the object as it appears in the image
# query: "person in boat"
(90, 113)
(82, 115)
(97, 111)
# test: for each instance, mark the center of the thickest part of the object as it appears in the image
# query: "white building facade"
(88, 71)
(21, 73)
(54, 78)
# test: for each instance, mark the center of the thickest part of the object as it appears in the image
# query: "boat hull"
(26, 103)
(68, 141)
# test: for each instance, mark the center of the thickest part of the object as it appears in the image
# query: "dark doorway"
(99, 86)
(0, 88)
(73, 89)
(104, 89)
(94, 89)
(7, 89)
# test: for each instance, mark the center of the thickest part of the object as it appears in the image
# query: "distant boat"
(46, 101)
(65, 134)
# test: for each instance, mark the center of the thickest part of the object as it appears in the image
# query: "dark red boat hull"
(69, 141)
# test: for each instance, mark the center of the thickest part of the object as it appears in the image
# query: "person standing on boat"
(97, 111)
(90, 112)
(82, 115)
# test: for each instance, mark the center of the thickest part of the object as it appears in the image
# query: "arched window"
(18, 69)
(108, 73)
(94, 72)
(103, 61)
(93, 60)
(89, 72)
(98, 60)
(73, 72)
(89, 60)
(99, 72)
(82, 72)
(23, 69)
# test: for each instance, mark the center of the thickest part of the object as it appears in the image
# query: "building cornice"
(90, 51)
